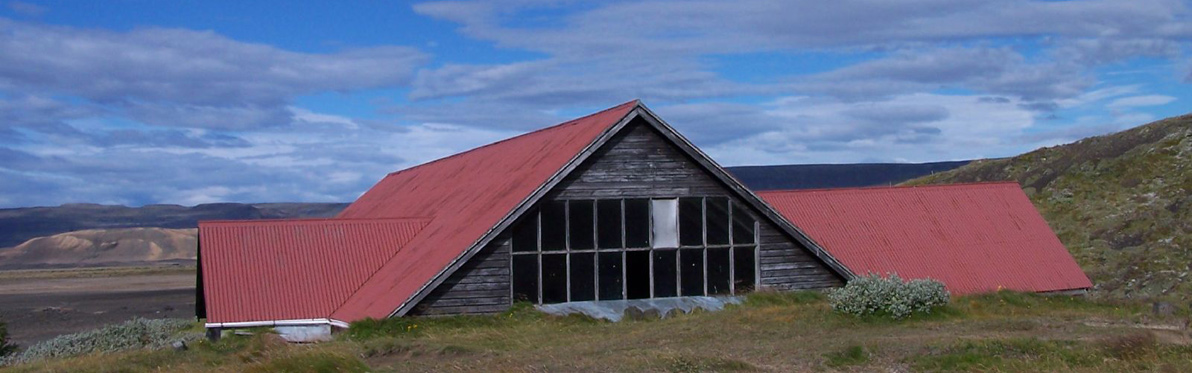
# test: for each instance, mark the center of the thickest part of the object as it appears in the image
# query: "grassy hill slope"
(1119, 202)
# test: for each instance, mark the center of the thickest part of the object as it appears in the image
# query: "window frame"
(534, 216)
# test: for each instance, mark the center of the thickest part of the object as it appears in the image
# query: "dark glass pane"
(610, 276)
(554, 278)
(718, 271)
(744, 268)
(582, 225)
(691, 272)
(742, 225)
(608, 218)
(525, 278)
(717, 220)
(637, 274)
(525, 233)
(554, 229)
(583, 277)
(691, 221)
(637, 223)
(665, 281)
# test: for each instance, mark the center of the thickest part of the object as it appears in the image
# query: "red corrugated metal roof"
(269, 270)
(972, 237)
(465, 195)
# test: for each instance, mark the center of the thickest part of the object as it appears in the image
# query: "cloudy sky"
(187, 102)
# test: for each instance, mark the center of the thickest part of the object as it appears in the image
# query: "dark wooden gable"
(637, 162)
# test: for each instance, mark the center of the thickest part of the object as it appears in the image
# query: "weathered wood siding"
(786, 265)
(480, 286)
(637, 163)
(640, 163)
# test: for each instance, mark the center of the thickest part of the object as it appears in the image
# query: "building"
(615, 205)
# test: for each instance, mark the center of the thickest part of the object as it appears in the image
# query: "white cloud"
(1140, 101)
(307, 116)
(828, 131)
(186, 78)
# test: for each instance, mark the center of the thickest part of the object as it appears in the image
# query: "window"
(611, 287)
(554, 278)
(608, 224)
(525, 278)
(691, 272)
(613, 249)
(691, 221)
(719, 274)
(637, 274)
(580, 226)
(583, 277)
(742, 226)
(665, 227)
(554, 227)
(525, 234)
(666, 277)
(716, 211)
(637, 223)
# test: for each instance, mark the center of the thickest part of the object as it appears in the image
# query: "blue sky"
(187, 102)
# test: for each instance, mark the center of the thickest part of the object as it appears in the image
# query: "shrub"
(6, 348)
(132, 334)
(888, 296)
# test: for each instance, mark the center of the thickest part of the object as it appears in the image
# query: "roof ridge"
(572, 121)
(314, 220)
(888, 187)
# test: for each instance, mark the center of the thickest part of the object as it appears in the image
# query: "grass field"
(770, 332)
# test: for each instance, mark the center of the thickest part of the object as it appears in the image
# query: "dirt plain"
(41, 304)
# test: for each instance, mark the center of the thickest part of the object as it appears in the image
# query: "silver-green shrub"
(888, 296)
(132, 334)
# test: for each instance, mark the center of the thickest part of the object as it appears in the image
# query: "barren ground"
(41, 304)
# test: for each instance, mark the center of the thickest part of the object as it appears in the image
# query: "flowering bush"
(132, 334)
(888, 296)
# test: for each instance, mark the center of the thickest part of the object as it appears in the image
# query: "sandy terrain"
(38, 306)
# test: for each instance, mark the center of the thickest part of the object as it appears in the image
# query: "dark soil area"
(36, 317)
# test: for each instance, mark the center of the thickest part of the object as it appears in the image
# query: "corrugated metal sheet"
(973, 237)
(265, 270)
(466, 195)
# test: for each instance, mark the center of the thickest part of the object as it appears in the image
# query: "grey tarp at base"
(614, 310)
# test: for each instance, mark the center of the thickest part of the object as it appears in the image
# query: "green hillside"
(1120, 202)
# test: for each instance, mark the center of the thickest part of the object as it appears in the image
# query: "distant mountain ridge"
(1121, 203)
(18, 225)
(90, 234)
(816, 176)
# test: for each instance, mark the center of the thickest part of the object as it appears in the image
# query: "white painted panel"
(665, 228)
(304, 333)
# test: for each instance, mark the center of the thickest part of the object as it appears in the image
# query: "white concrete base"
(304, 333)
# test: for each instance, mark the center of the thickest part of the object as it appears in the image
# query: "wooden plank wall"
(480, 286)
(636, 163)
(786, 265)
